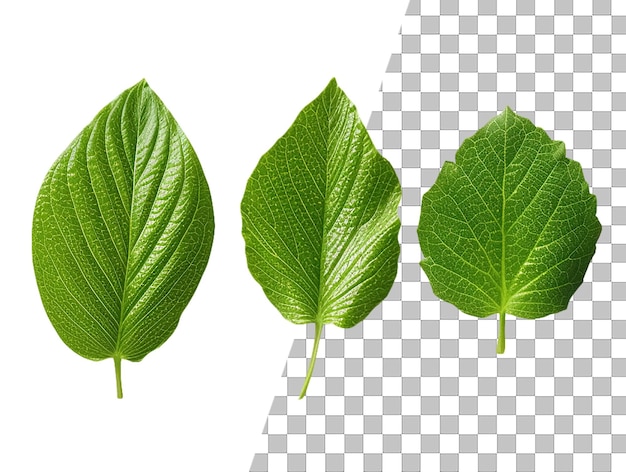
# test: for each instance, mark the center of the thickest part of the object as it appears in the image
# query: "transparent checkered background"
(417, 386)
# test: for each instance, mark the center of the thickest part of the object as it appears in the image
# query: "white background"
(234, 75)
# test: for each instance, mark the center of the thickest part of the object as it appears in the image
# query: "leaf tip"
(508, 111)
(332, 86)
(142, 84)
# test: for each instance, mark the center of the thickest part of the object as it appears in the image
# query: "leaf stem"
(118, 375)
(501, 333)
(318, 335)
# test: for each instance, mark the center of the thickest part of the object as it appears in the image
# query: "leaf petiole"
(309, 374)
(501, 333)
(118, 375)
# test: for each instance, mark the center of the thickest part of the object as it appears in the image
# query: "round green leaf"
(511, 226)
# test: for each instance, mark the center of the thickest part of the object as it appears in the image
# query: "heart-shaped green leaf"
(320, 219)
(511, 226)
(122, 231)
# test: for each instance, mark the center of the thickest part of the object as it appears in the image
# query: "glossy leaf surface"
(320, 218)
(122, 231)
(511, 226)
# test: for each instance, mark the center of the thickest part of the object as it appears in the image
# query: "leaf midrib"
(130, 244)
(503, 289)
(336, 113)
(322, 283)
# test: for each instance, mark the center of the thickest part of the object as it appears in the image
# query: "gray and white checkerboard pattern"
(417, 386)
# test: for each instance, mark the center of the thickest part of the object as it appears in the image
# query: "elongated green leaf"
(511, 226)
(122, 231)
(320, 219)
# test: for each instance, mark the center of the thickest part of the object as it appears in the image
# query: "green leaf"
(511, 227)
(320, 219)
(122, 231)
